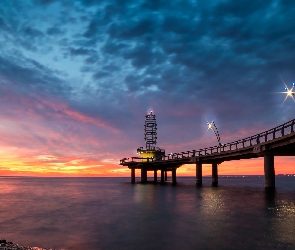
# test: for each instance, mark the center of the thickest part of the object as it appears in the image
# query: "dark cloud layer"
(188, 60)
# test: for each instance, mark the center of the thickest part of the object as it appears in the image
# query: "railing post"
(283, 131)
(292, 128)
(258, 139)
(274, 134)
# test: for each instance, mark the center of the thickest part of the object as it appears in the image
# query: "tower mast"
(150, 131)
(151, 152)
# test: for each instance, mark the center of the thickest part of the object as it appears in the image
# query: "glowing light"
(288, 92)
(211, 125)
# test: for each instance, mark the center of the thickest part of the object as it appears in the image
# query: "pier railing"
(263, 137)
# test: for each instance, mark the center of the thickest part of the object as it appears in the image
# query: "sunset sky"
(77, 78)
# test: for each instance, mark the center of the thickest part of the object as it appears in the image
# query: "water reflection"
(281, 216)
(110, 213)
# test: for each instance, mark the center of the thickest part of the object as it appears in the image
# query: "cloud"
(95, 69)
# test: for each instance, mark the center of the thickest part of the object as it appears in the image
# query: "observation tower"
(151, 152)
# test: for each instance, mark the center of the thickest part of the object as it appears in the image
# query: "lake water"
(111, 213)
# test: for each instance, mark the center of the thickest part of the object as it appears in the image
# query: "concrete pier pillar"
(155, 176)
(214, 175)
(162, 175)
(143, 175)
(199, 174)
(174, 176)
(132, 175)
(269, 171)
(165, 175)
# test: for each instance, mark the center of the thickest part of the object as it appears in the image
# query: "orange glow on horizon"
(46, 166)
(49, 138)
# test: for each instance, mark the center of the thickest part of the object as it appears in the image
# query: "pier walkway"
(278, 141)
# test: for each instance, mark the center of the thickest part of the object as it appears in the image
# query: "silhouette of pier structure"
(278, 141)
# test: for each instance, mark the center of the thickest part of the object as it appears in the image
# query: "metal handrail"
(263, 137)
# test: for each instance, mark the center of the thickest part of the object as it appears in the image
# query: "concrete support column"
(155, 176)
(199, 174)
(162, 175)
(269, 171)
(132, 175)
(165, 175)
(174, 176)
(143, 175)
(214, 175)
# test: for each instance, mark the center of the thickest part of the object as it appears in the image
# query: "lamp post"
(213, 126)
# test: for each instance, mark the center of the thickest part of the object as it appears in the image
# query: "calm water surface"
(111, 213)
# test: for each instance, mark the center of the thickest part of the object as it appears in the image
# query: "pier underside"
(163, 170)
(160, 171)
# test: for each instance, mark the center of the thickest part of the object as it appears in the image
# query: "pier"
(162, 170)
(278, 141)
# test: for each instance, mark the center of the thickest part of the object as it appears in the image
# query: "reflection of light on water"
(213, 203)
(213, 215)
(283, 220)
(7, 187)
(139, 194)
(144, 194)
(283, 210)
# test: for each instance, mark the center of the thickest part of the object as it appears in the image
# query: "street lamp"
(289, 92)
(213, 127)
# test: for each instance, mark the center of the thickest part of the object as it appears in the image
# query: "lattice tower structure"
(150, 131)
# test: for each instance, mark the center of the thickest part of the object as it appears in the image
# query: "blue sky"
(78, 77)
